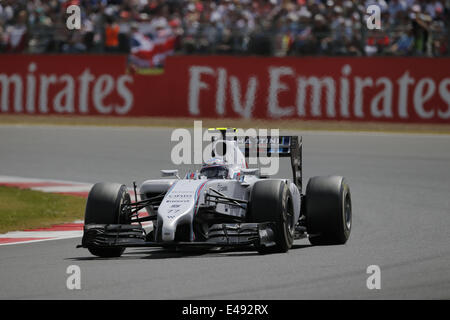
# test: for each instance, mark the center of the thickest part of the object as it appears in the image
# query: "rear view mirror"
(170, 173)
(250, 172)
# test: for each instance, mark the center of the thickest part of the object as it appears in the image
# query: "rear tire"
(271, 201)
(328, 210)
(103, 207)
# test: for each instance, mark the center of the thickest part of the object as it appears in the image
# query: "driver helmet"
(214, 168)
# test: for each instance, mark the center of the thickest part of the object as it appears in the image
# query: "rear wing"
(281, 146)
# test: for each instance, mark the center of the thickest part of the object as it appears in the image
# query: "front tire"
(104, 207)
(328, 210)
(271, 201)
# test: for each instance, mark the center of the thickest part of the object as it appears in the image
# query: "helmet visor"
(217, 172)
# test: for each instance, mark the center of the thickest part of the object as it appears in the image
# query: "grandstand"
(151, 29)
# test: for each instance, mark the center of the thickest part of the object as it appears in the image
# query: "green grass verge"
(24, 209)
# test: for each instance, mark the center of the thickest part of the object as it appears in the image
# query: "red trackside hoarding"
(357, 89)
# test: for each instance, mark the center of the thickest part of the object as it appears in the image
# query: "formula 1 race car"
(224, 204)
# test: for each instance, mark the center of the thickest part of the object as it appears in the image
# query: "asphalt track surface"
(400, 187)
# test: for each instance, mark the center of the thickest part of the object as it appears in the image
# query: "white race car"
(224, 204)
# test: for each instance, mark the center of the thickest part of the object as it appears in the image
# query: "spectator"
(124, 31)
(404, 44)
(111, 35)
(420, 28)
(17, 34)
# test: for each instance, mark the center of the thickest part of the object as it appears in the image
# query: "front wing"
(219, 235)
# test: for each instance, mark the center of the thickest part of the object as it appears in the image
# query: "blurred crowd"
(262, 27)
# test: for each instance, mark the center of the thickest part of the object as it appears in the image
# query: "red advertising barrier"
(357, 89)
